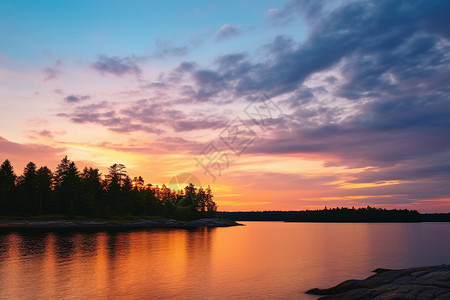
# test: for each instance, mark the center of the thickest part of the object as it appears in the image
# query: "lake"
(262, 260)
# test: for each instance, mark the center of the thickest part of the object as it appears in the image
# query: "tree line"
(364, 214)
(71, 192)
(343, 214)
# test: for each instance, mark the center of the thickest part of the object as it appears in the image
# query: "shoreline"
(413, 283)
(112, 224)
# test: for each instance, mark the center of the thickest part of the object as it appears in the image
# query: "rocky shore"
(159, 223)
(414, 283)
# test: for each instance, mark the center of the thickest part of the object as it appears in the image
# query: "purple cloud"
(76, 98)
(22, 153)
(53, 72)
(118, 65)
(46, 133)
(142, 115)
(368, 87)
(165, 48)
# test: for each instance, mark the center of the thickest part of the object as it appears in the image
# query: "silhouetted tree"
(68, 186)
(152, 205)
(7, 189)
(114, 197)
(27, 184)
(92, 193)
(211, 206)
(116, 174)
(72, 193)
(61, 171)
(127, 196)
(138, 183)
(187, 205)
(44, 183)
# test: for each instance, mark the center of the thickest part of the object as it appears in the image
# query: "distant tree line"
(71, 192)
(367, 214)
(268, 215)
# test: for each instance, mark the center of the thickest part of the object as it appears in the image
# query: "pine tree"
(92, 192)
(7, 189)
(67, 187)
(211, 206)
(28, 186)
(44, 183)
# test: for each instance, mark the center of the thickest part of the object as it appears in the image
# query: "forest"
(342, 214)
(87, 193)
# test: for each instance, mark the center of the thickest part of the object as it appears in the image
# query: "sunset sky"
(285, 105)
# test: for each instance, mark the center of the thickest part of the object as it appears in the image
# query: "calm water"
(263, 260)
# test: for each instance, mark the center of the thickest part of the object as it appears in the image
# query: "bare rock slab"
(421, 283)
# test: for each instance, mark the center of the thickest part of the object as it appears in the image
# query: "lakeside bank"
(112, 224)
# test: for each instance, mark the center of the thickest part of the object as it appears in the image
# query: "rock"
(381, 270)
(414, 283)
(159, 223)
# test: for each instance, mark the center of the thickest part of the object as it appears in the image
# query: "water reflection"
(261, 260)
(88, 244)
(102, 265)
(32, 245)
(65, 246)
(4, 245)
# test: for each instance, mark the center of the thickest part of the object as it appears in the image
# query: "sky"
(277, 105)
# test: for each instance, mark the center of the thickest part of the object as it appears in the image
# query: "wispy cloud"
(53, 72)
(76, 98)
(311, 11)
(118, 65)
(143, 115)
(228, 31)
(165, 48)
(20, 154)
(46, 133)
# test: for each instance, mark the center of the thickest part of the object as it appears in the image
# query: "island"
(70, 198)
(413, 283)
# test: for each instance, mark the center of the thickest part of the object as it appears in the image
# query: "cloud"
(76, 98)
(104, 114)
(118, 65)
(368, 88)
(210, 85)
(148, 113)
(372, 74)
(21, 154)
(52, 72)
(352, 33)
(43, 134)
(158, 146)
(165, 48)
(281, 45)
(46, 133)
(311, 11)
(143, 115)
(363, 92)
(228, 31)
